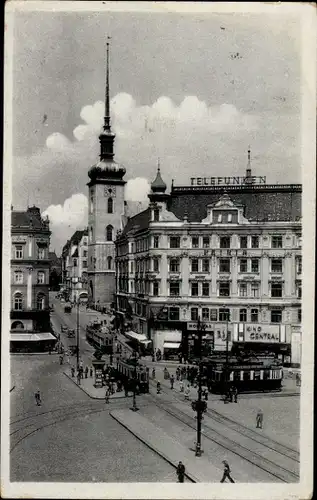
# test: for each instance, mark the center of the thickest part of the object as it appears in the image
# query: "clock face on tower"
(111, 192)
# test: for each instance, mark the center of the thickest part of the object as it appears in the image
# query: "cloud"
(137, 189)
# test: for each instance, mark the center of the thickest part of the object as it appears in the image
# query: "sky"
(193, 90)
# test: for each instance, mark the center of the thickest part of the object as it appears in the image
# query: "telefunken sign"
(226, 181)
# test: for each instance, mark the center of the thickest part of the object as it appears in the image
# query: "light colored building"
(30, 268)
(75, 266)
(225, 250)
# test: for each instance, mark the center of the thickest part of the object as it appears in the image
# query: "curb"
(94, 397)
(191, 477)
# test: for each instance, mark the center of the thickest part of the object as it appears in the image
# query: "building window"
(155, 241)
(110, 206)
(205, 265)
(131, 266)
(243, 242)
(18, 277)
(255, 265)
(243, 289)
(205, 289)
(277, 241)
(243, 265)
(41, 253)
(194, 289)
(213, 314)
(40, 278)
(174, 242)
(40, 303)
(174, 265)
(75, 262)
(254, 242)
(206, 241)
(85, 264)
(298, 265)
(195, 242)
(224, 241)
(194, 314)
(174, 313)
(174, 288)
(18, 302)
(276, 316)
(254, 315)
(224, 265)
(85, 253)
(224, 315)
(156, 214)
(109, 232)
(229, 217)
(255, 289)
(224, 289)
(109, 263)
(194, 265)
(299, 315)
(299, 290)
(219, 218)
(276, 289)
(155, 265)
(19, 252)
(276, 266)
(243, 315)
(155, 288)
(205, 314)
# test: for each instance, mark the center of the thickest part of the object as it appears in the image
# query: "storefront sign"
(262, 333)
(219, 330)
(226, 181)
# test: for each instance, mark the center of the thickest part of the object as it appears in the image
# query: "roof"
(77, 236)
(29, 219)
(270, 204)
(138, 222)
(158, 184)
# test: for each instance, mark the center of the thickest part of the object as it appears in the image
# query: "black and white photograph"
(158, 250)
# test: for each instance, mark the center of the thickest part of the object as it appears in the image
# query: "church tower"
(105, 209)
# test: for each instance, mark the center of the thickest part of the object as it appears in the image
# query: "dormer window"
(156, 215)
(229, 217)
(219, 218)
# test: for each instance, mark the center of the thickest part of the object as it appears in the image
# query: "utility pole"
(77, 349)
(134, 407)
(199, 406)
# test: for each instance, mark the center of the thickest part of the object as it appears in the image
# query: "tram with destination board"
(129, 370)
(258, 374)
(100, 337)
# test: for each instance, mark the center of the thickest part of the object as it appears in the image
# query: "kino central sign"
(226, 181)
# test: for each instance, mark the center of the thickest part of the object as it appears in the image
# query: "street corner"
(86, 390)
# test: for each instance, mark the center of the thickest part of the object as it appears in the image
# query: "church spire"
(106, 137)
(248, 172)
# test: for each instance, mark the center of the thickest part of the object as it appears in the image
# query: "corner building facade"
(229, 255)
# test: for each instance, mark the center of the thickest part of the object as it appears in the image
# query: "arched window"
(109, 233)
(18, 301)
(110, 206)
(40, 303)
(109, 262)
(17, 325)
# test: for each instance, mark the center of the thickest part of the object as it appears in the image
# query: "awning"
(171, 345)
(137, 336)
(31, 337)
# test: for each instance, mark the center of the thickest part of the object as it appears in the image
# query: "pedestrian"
(107, 395)
(205, 394)
(298, 381)
(187, 392)
(181, 386)
(86, 372)
(153, 374)
(180, 471)
(226, 472)
(91, 372)
(231, 394)
(73, 371)
(61, 359)
(38, 398)
(235, 393)
(158, 388)
(78, 377)
(259, 419)
(172, 381)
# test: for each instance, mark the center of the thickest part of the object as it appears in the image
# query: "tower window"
(110, 206)
(156, 215)
(109, 263)
(109, 232)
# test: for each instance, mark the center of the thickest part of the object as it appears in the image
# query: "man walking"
(226, 472)
(172, 381)
(180, 471)
(259, 419)
(38, 398)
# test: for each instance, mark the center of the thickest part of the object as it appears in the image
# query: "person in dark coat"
(259, 419)
(153, 373)
(172, 381)
(158, 388)
(180, 471)
(73, 371)
(91, 372)
(86, 372)
(38, 398)
(226, 472)
(235, 393)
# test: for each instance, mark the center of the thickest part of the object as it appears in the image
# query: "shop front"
(215, 337)
(31, 341)
(167, 343)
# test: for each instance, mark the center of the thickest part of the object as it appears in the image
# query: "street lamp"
(227, 344)
(134, 407)
(76, 280)
(199, 406)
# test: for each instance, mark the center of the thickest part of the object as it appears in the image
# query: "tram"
(129, 370)
(247, 375)
(100, 337)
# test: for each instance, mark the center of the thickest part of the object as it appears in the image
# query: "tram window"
(236, 375)
(257, 375)
(266, 374)
(246, 375)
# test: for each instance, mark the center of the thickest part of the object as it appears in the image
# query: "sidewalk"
(197, 469)
(87, 386)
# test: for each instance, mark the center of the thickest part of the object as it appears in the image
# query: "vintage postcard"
(158, 257)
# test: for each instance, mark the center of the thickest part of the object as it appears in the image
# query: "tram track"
(249, 450)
